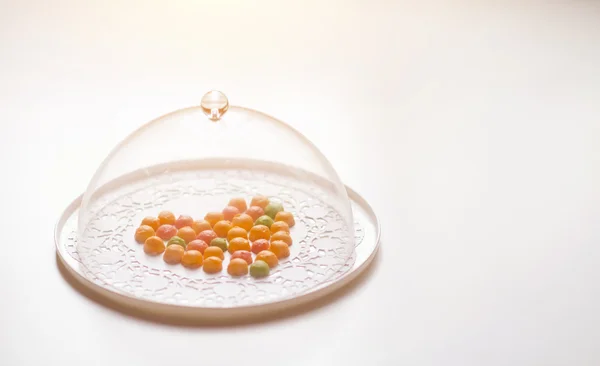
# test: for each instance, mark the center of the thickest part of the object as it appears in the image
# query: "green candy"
(219, 242)
(259, 269)
(272, 209)
(264, 220)
(176, 241)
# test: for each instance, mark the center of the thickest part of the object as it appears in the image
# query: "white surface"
(471, 128)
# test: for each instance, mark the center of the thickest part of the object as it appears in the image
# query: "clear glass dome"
(192, 161)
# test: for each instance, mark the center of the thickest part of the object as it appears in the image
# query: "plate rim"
(155, 307)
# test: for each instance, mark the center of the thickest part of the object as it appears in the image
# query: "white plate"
(122, 272)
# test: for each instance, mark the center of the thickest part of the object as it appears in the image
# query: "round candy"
(176, 241)
(151, 221)
(236, 232)
(268, 257)
(236, 244)
(260, 245)
(213, 265)
(273, 208)
(259, 232)
(166, 232)
(264, 220)
(166, 218)
(221, 228)
(255, 212)
(244, 254)
(143, 232)
(201, 225)
(207, 236)
(214, 252)
(237, 267)
(173, 254)
(186, 233)
(219, 242)
(229, 212)
(282, 235)
(244, 221)
(280, 226)
(259, 269)
(260, 201)
(192, 259)
(183, 221)
(286, 217)
(280, 249)
(198, 245)
(239, 203)
(154, 245)
(214, 217)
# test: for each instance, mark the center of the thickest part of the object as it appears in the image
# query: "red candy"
(260, 245)
(198, 245)
(207, 236)
(243, 254)
(229, 212)
(183, 221)
(166, 232)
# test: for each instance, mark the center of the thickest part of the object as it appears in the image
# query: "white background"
(471, 127)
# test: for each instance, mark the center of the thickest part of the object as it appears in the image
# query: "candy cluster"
(255, 237)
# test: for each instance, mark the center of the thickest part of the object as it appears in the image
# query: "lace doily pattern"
(323, 248)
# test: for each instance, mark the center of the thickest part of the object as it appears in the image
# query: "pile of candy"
(255, 237)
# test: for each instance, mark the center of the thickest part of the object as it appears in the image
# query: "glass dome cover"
(193, 161)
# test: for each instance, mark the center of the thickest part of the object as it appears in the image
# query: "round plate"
(121, 271)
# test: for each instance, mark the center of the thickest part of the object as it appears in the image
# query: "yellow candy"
(237, 267)
(222, 228)
(173, 254)
(192, 259)
(259, 232)
(213, 265)
(214, 252)
(282, 235)
(166, 218)
(186, 233)
(214, 217)
(236, 232)
(143, 232)
(154, 245)
(244, 221)
(269, 257)
(238, 244)
(280, 226)
(280, 249)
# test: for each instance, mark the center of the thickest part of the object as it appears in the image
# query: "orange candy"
(244, 221)
(280, 249)
(201, 225)
(236, 244)
(236, 232)
(192, 259)
(154, 245)
(166, 232)
(214, 252)
(243, 254)
(237, 267)
(268, 257)
(143, 232)
(166, 218)
(280, 226)
(183, 221)
(259, 232)
(221, 228)
(260, 201)
(214, 217)
(282, 235)
(239, 203)
(198, 245)
(286, 217)
(213, 265)
(260, 245)
(255, 212)
(153, 222)
(173, 254)
(187, 234)
(207, 236)
(229, 212)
